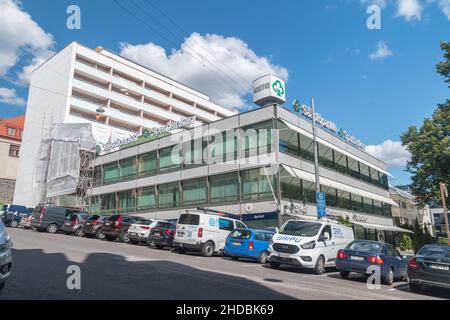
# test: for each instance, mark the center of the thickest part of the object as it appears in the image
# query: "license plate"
(67, 223)
(132, 234)
(439, 267)
(157, 233)
(283, 255)
(283, 259)
(180, 234)
(356, 258)
(236, 243)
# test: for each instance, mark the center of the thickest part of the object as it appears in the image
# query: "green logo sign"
(278, 88)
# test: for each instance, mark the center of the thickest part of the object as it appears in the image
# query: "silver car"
(5, 255)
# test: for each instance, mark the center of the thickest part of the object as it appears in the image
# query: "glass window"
(301, 228)
(190, 219)
(169, 158)
(290, 186)
(194, 192)
(148, 163)
(344, 200)
(340, 162)
(378, 207)
(374, 176)
(225, 224)
(326, 156)
(111, 172)
(231, 145)
(126, 201)
(264, 136)
(95, 204)
(224, 188)
(128, 167)
(249, 142)
(289, 140)
(306, 148)
(327, 229)
(353, 168)
(387, 210)
(193, 152)
(14, 151)
(98, 176)
(257, 139)
(384, 181)
(365, 172)
(330, 196)
(146, 198)
(255, 184)
(241, 234)
(309, 191)
(216, 147)
(169, 195)
(357, 204)
(108, 202)
(368, 205)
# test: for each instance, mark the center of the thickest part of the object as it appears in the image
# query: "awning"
(332, 146)
(381, 227)
(300, 174)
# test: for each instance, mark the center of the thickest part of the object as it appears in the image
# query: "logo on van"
(212, 222)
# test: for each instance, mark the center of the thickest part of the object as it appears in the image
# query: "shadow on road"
(40, 275)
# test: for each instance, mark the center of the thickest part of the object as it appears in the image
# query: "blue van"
(248, 243)
(11, 214)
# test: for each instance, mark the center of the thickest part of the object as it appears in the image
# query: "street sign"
(321, 205)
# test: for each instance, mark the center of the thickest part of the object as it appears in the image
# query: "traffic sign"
(321, 205)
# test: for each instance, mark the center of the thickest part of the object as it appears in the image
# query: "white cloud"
(9, 96)
(409, 9)
(391, 152)
(445, 7)
(210, 49)
(21, 40)
(380, 3)
(381, 52)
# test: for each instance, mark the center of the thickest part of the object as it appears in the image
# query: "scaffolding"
(85, 179)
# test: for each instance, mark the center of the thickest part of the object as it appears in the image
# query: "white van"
(204, 232)
(311, 244)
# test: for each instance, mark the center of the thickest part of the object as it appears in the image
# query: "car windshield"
(300, 228)
(364, 246)
(241, 234)
(435, 251)
(165, 225)
(143, 222)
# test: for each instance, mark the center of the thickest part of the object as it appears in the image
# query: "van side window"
(328, 230)
(225, 224)
(260, 236)
(240, 225)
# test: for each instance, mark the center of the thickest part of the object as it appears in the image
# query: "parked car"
(430, 267)
(139, 231)
(204, 232)
(49, 218)
(12, 214)
(360, 255)
(116, 227)
(248, 243)
(5, 255)
(93, 226)
(309, 244)
(25, 222)
(74, 223)
(162, 235)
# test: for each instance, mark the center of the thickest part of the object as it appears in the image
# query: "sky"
(374, 82)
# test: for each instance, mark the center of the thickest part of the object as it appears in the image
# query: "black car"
(116, 227)
(93, 226)
(431, 267)
(49, 218)
(162, 235)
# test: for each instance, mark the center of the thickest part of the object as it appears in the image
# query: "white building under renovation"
(73, 85)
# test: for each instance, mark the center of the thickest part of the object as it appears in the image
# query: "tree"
(345, 221)
(418, 236)
(430, 146)
(406, 242)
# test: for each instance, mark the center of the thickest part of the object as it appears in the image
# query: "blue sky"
(323, 46)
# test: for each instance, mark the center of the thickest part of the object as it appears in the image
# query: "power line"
(165, 38)
(185, 32)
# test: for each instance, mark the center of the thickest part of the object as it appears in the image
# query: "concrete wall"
(48, 100)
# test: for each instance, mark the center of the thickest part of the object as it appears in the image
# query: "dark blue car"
(359, 255)
(248, 243)
(12, 214)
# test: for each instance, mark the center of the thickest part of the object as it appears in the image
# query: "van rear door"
(188, 228)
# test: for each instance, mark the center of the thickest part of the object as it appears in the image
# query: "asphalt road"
(112, 270)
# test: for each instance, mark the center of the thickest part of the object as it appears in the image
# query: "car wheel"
(262, 259)
(181, 250)
(344, 274)
(99, 234)
(208, 249)
(134, 242)
(124, 237)
(14, 224)
(274, 265)
(79, 232)
(414, 287)
(2, 285)
(389, 278)
(52, 228)
(319, 268)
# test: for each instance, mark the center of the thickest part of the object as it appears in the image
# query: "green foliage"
(430, 146)
(406, 242)
(345, 221)
(421, 237)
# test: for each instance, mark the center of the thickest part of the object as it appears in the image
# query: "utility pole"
(444, 194)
